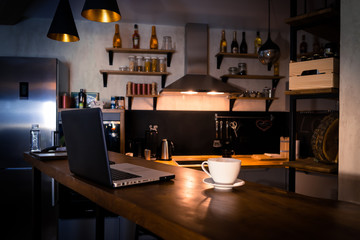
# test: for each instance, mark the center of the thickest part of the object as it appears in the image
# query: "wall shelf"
(226, 77)
(105, 74)
(168, 53)
(268, 101)
(221, 56)
(131, 98)
(324, 23)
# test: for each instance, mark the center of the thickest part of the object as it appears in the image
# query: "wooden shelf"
(168, 53)
(221, 56)
(310, 165)
(105, 74)
(324, 23)
(268, 101)
(131, 98)
(225, 77)
(312, 91)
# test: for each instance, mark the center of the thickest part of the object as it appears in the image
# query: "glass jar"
(162, 64)
(154, 64)
(140, 63)
(35, 138)
(242, 69)
(147, 64)
(132, 63)
(233, 70)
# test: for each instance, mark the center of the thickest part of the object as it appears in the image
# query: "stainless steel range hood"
(197, 78)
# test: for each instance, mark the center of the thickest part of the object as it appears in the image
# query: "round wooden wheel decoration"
(325, 139)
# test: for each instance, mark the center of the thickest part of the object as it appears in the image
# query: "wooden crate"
(327, 74)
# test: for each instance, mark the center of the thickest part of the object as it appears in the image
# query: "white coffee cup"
(223, 170)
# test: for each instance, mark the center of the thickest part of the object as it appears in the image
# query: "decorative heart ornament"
(263, 125)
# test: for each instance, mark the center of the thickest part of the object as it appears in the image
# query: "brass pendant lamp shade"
(101, 11)
(63, 26)
(269, 53)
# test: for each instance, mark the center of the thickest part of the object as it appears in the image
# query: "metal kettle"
(166, 149)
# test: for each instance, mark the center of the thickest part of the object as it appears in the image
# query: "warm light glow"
(189, 92)
(101, 15)
(215, 93)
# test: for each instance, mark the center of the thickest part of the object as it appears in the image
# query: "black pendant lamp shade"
(269, 52)
(63, 26)
(101, 11)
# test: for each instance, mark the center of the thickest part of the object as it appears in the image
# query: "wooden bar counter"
(187, 208)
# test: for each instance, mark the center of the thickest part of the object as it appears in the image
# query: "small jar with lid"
(162, 64)
(147, 64)
(242, 69)
(132, 63)
(154, 64)
(140, 63)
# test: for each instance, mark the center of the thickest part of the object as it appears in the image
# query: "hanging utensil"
(234, 127)
(216, 143)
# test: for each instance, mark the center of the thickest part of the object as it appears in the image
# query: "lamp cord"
(269, 18)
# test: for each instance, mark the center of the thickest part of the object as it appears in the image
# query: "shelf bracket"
(232, 102)
(130, 100)
(163, 80)
(224, 79)
(111, 57)
(275, 82)
(268, 104)
(168, 58)
(105, 78)
(219, 59)
(154, 103)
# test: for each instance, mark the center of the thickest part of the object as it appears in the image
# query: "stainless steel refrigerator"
(29, 90)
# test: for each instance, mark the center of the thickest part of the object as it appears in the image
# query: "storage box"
(324, 74)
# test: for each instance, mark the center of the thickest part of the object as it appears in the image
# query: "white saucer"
(211, 182)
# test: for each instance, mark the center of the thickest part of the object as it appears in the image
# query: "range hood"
(197, 78)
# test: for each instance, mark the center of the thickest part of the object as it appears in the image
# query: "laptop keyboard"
(120, 175)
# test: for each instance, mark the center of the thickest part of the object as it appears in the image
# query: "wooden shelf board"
(132, 50)
(309, 164)
(252, 98)
(260, 77)
(312, 91)
(144, 96)
(238, 55)
(118, 72)
(324, 23)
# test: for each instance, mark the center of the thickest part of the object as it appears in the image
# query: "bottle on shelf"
(153, 39)
(257, 42)
(303, 45)
(35, 138)
(117, 38)
(243, 45)
(82, 99)
(136, 37)
(234, 44)
(223, 44)
(316, 48)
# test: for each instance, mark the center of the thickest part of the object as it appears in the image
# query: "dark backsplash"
(193, 132)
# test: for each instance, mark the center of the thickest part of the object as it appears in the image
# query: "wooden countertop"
(247, 161)
(187, 208)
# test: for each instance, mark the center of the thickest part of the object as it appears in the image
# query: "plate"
(211, 182)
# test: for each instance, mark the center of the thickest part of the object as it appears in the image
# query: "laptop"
(88, 156)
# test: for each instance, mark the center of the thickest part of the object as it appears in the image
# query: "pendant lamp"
(101, 11)
(63, 26)
(269, 52)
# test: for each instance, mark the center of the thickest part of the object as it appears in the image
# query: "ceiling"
(243, 14)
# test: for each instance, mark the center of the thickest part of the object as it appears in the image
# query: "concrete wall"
(86, 57)
(349, 163)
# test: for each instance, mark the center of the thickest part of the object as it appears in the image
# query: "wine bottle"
(82, 99)
(223, 44)
(243, 45)
(234, 44)
(136, 37)
(303, 45)
(117, 38)
(153, 39)
(257, 42)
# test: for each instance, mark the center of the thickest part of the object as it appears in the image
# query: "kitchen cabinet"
(274, 78)
(324, 23)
